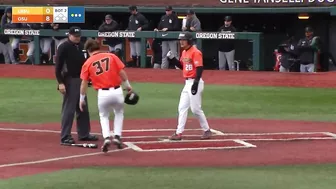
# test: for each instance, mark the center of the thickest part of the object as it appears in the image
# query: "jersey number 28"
(188, 67)
(105, 62)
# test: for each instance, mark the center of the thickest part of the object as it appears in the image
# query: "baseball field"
(271, 130)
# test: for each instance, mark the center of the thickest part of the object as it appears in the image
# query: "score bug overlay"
(48, 15)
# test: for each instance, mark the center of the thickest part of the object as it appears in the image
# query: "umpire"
(69, 60)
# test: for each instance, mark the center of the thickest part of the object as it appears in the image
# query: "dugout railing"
(255, 38)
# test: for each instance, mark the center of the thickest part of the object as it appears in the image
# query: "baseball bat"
(84, 145)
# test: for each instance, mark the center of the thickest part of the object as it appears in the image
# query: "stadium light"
(303, 16)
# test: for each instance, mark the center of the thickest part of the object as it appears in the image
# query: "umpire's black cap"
(75, 30)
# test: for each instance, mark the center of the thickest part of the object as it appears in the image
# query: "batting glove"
(194, 88)
(170, 55)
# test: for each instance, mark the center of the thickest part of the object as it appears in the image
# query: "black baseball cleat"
(106, 145)
(67, 141)
(89, 138)
(117, 141)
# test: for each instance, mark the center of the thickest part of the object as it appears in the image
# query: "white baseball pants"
(45, 44)
(108, 100)
(188, 100)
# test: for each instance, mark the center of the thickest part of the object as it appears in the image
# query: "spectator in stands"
(226, 47)
(168, 22)
(193, 24)
(59, 39)
(13, 43)
(115, 44)
(137, 22)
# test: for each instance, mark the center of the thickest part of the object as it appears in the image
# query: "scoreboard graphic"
(48, 15)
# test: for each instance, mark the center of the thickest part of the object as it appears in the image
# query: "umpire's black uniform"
(69, 60)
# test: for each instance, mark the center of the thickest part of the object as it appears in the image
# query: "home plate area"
(156, 140)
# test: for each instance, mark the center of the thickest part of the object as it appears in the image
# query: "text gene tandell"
(272, 1)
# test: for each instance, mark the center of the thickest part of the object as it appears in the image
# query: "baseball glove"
(131, 98)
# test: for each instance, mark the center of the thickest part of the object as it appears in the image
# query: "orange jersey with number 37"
(103, 70)
(191, 59)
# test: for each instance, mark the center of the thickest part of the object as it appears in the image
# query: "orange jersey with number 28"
(103, 70)
(191, 59)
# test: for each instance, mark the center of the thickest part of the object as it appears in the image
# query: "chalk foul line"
(59, 158)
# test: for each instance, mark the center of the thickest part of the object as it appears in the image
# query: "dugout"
(276, 25)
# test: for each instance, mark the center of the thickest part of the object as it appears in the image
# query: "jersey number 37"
(102, 65)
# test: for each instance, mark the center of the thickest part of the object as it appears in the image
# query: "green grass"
(38, 101)
(272, 177)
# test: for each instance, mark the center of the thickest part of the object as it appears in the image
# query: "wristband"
(127, 83)
(82, 97)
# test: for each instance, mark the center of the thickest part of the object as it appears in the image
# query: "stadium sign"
(21, 32)
(117, 34)
(215, 35)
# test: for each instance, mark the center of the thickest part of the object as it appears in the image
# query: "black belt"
(106, 89)
(189, 78)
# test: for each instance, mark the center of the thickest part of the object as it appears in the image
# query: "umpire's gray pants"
(166, 47)
(70, 107)
(135, 48)
(224, 57)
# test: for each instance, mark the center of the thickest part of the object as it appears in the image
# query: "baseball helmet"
(131, 98)
(186, 36)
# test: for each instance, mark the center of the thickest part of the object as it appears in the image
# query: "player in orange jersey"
(106, 71)
(191, 62)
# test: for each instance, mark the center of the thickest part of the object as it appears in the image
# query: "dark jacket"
(31, 26)
(226, 45)
(169, 21)
(136, 21)
(4, 39)
(60, 27)
(157, 50)
(306, 51)
(69, 61)
(113, 26)
(6, 22)
(288, 50)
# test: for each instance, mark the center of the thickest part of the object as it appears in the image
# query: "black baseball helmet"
(131, 98)
(186, 36)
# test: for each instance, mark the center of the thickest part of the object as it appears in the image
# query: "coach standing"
(168, 22)
(137, 22)
(70, 57)
(226, 47)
